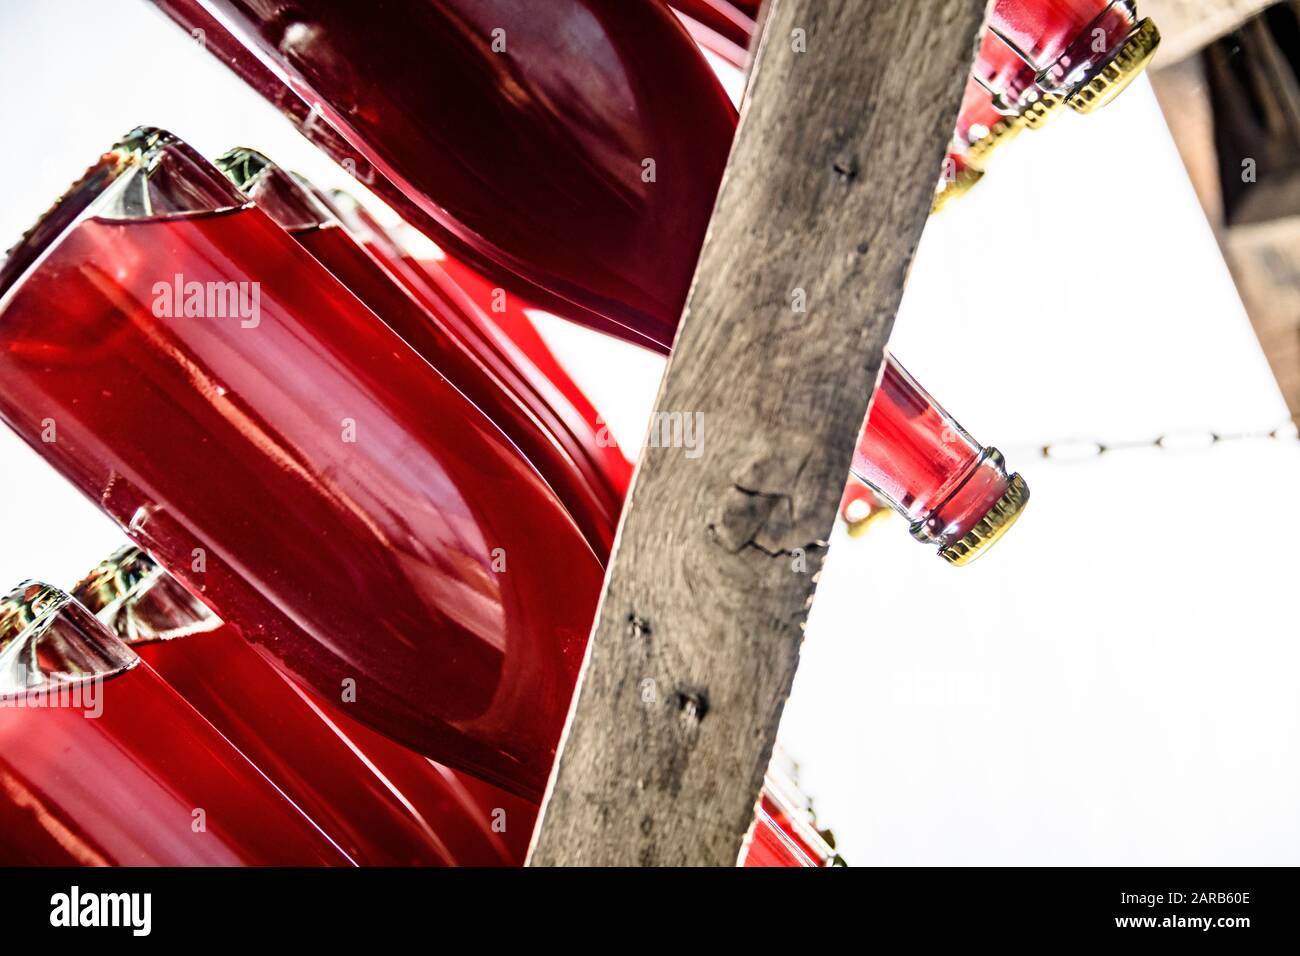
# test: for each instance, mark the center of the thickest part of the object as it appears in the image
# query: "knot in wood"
(754, 518)
(692, 703)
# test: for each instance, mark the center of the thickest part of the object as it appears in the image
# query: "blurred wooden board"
(1188, 25)
(1264, 258)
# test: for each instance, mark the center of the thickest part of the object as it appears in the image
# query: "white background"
(1116, 683)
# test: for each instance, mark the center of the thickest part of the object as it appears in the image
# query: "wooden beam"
(1264, 258)
(1187, 26)
(695, 646)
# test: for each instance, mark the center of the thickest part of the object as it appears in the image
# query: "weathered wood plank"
(698, 633)
(1188, 25)
(1264, 258)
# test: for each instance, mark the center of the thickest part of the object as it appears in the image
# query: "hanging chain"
(1174, 441)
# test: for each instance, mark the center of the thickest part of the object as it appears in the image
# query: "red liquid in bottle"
(898, 455)
(355, 268)
(714, 42)
(223, 678)
(541, 367)
(921, 461)
(463, 303)
(911, 441)
(977, 115)
(292, 204)
(1056, 37)
(1036, 55)
(770, 846)
(508, 818)
(383, 803)
(720, 17)
(466, 813)
(128, 774)
(517, 135)
(796, 828)
(122, 789)
(368, 560)
(1003, 71)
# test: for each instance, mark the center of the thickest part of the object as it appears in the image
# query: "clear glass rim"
(48, 642)
(285, 196)
(123, 581)
(118, 187)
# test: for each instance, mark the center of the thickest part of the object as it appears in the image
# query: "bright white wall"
(1115, 683)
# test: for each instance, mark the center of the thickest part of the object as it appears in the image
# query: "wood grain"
(698, 633)
(1188, 25)
(1264, 258)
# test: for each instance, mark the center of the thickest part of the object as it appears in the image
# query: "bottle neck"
(140, 602)
(148, 174)
(916, 457)
(1042, 30)
(284, 197)
(49, 642)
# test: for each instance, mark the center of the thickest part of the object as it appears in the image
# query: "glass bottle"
(473, 310)
(1085, 51)
(1036, 55)
(978, 116)
(889, 432)
(730, 56)
(1010, 103)
(290, 735)
(782, 834)
(891, 456)
(783, 808)
(1005, 74)
(294, 462)
(506, 320)
(769, 846)
(104, 764)
(721, 17)
(294, 206)
(590, 198)
(954, 493)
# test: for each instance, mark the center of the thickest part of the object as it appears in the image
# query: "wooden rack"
(842, 134)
